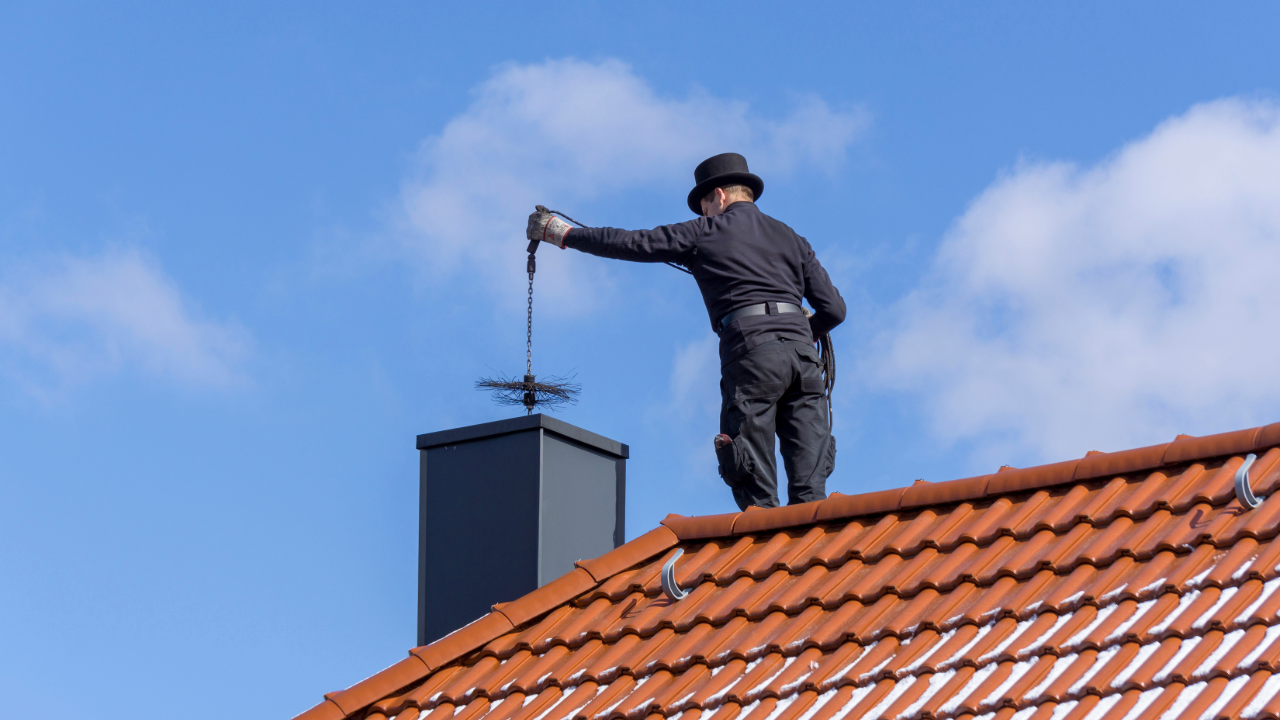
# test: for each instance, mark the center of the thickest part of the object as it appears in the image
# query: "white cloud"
(564, 132)
(74, 318)
(1106, 307)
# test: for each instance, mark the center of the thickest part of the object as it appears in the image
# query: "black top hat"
(718, 171)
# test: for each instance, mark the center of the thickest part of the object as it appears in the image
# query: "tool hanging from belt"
(827, 354)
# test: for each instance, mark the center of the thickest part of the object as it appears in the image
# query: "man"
(752, 271)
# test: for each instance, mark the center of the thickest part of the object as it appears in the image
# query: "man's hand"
(808, 315)
(548, 228)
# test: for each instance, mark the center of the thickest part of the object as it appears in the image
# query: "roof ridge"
(674, 529)
(1181, 450)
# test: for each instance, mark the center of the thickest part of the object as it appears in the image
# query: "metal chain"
(528, 327)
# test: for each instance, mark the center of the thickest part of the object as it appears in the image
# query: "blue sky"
(248, 252)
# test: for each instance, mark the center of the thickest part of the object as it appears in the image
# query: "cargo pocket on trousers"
(735, 463)
(829, 457)
(811, 370)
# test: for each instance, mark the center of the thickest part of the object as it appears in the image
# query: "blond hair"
(733, 192)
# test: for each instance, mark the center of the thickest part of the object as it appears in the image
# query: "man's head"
(719, 200)
(725, 173)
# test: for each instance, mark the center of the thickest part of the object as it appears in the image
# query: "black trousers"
(775, 388)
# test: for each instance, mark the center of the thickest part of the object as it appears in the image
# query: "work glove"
(548, 228)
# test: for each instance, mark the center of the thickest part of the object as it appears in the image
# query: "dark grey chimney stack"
(508, 506)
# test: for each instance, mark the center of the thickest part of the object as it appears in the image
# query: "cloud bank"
(565, 132)
(1111, 306)
(75, 318)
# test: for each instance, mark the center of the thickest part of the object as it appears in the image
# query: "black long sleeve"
(828, 306)
(741, 257)
(669, 243)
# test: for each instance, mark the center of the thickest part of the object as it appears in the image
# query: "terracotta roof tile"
(1121, 585)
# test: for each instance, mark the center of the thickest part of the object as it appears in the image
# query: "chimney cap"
(519, 424)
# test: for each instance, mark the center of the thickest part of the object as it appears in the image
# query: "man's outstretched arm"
(669, 243)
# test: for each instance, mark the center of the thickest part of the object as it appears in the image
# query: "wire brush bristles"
(550, 393)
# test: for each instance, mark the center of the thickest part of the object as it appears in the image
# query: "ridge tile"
(1120, 463)
(871, 503)
(452, 646)
(704, 526)
(774, 518)
(630, 554)
(943, 493)
(1229, 443)
(548, 597)
(1032, 478)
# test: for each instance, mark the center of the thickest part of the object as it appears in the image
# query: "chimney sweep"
(752, 271)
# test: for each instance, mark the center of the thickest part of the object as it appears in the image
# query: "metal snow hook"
(669, 585)
(1244, 493)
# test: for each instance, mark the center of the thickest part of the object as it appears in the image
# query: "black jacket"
(741, 257)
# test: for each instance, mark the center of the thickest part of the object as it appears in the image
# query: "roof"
(1128, 584)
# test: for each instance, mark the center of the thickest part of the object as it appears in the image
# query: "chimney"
(506, 507)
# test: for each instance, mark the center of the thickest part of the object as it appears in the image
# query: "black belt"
(771, 308)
